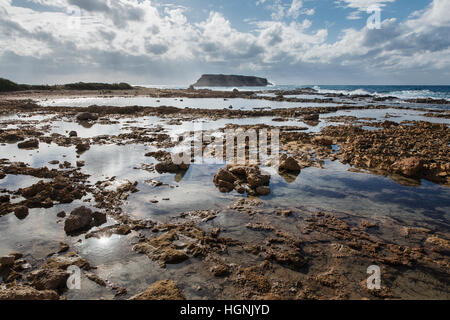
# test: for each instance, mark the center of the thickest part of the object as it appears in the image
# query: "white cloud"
(145, 41)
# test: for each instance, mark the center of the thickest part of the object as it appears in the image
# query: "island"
(222, 80)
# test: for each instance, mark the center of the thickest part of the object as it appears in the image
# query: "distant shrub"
(8, 86)
(97, 86)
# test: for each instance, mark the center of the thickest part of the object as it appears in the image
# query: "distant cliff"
(221, 80)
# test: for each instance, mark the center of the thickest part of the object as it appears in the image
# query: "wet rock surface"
(244, 247)
(242, 179)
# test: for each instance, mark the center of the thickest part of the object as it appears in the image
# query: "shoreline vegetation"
(10, 86)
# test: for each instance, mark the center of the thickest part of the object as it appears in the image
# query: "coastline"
(312, 237)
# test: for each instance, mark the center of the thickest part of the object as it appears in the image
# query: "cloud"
(361, 6)
(141, 42)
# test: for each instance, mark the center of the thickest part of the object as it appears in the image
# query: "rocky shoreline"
(250, 247)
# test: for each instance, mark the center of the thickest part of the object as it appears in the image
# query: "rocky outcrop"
(242, 179)
(82, 219)
(221, 80)
(23, 292)
(161, 290)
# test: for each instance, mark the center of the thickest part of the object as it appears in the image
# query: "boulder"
(21, 212)
(29, 144)
(49, 279)
(263, 190)
(82, 219)
(73, 134)
(410, 167)
(311, 117)
(81, 147)
(87, 116)
(289, 164)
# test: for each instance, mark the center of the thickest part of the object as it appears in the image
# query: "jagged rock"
(409, 167)
(161, 290)
(81, 164)
(82, 219)
(29, 144)
(22, 292)
(236, 177)
(220, 270)
(81, 147)
(49, 279)
(289, 164)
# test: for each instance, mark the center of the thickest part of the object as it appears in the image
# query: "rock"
(311, 117)
(81, 164)
(81, 147)
(170, 167)
(236, 176)
(221, 80)
(29, 144)
(284, 213)
(171, 256)
(54, 162)
(2, 174)
(21, 212)
(7, 260)
(5, 198)
(86, 116)
(61, 214)
(410, 167)
(161, 290)
(289, 164)
(73, 134)
(220, 270)
(263, 190)
(224, 186)
(225, 175)
(321, 140)
(82, 219)
(49, 279)
(22, 292)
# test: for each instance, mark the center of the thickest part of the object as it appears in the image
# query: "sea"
(399, 91)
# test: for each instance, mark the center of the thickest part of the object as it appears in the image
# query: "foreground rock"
(242, 179)
(83, 219)
(161, 290)
(23, 292)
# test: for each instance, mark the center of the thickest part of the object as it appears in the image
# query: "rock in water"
(86, 116)
(82, 219)
(410, 167)
(29, 144)
(221, 80)
(289, 164)
(21, 212)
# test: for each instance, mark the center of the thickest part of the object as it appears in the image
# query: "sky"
(174, 42)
